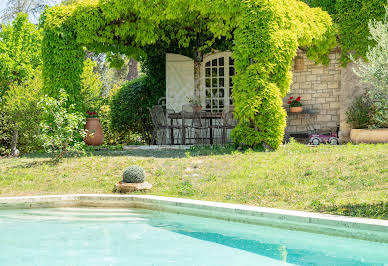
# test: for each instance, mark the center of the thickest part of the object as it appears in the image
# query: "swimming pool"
(99, 236)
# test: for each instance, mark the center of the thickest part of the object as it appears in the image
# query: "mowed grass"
(348, 180)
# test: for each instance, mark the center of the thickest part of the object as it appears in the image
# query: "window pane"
(208, 64)
(214, 72)
(208, 83)
(208, 72)
(221, 72)
(214, 93)
(221, 104)
(230, 91)
(221, 61)
(222, 93)
(208, 94)
(214, 103)
(214, 83)
(221, 82)
(230, 82)
(231, 61)
(231, 71)
(214, 62)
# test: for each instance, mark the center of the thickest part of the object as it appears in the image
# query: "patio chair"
(160, 121)
(229, 122)
(193, 128)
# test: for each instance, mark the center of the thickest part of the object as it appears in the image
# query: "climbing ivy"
(266, 35)
(352, 18)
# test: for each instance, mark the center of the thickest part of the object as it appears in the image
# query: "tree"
(20, 56)
(21, 108)
(20, 52)
(31, 7)
(374, 72)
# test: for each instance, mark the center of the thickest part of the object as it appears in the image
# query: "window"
(219, 70)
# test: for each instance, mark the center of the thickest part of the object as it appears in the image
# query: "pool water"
(90, 236)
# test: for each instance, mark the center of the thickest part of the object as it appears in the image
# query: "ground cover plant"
(346, 180)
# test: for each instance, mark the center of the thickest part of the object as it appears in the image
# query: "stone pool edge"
(360, 228)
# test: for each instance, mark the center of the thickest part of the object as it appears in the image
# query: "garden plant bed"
(346, 180)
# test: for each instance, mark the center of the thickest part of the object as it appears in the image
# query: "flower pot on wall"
(95, 136)
(298, 109)
(358, 136)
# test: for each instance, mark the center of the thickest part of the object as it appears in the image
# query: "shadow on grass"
(156, 153)
(366, 210)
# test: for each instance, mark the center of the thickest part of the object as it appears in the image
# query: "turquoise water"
(76, 236)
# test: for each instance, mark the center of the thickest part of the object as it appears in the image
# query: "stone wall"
(320, 89)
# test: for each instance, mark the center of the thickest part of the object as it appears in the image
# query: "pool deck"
(360, 228)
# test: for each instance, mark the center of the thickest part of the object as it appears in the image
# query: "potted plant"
(94, 133)
(360, 116)
(195, 103)
(295, 105)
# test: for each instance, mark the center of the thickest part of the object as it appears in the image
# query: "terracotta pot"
(197, 108)
(95, 136)
(369, 135)
(298, 109)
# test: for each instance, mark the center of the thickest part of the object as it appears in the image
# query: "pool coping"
(360, 228)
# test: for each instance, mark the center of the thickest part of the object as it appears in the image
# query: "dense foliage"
(20, 52)
(62, 128)
(129, 108)
(264, 68)
(352, 18)
(375, 73)
(265, 32)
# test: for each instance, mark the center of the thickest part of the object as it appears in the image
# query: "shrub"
(359, 113)
(129, 108)
(61, 130)
(134, 174)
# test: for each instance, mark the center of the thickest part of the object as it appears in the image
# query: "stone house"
(326, 91)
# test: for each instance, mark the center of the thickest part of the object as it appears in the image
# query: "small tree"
(20, 106)
(20, 56)
(62, 129)
(374, 72)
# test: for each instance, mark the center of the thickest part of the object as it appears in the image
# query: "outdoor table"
(204, 115)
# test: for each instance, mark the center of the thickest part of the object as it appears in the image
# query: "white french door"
(217, 72)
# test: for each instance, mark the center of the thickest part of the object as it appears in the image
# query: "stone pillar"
(350, 88)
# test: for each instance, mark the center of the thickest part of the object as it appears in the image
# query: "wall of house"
(320, 89)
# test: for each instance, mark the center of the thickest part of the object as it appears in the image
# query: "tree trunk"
(14, 150)
(132, 70)
(197, 75)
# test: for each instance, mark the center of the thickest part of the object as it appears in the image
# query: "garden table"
(204, 115)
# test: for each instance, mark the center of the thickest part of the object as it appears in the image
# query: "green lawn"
(348, 180)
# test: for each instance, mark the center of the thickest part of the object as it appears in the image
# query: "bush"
(134, 174)
(359, 113)
(128, 108)
(61, 130)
